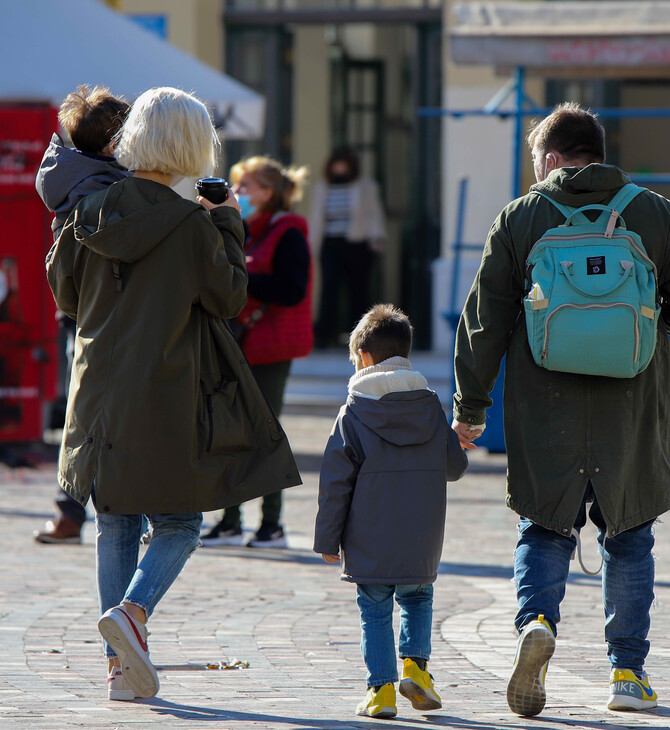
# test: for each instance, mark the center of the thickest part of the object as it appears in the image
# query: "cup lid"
(212, 181)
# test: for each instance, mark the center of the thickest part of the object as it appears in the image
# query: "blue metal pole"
(458, 248)
(518, 132)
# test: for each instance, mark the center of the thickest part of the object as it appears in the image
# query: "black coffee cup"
(215, 189)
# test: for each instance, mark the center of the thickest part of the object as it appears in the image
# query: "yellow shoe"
(630, 692)
(525, 691)
(417, 685)
(378, 704)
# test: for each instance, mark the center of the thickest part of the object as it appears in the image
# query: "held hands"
(230, 201)
(330, 558)
(465, 434)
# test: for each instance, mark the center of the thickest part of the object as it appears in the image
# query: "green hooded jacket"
(563, 430)
(163, 414)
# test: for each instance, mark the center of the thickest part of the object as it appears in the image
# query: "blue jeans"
(541, 566)
(117, 545)
(375, 603)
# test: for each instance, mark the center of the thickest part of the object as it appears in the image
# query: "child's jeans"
(375, 603)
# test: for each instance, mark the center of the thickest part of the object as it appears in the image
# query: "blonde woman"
(164, 417)
(276, 324)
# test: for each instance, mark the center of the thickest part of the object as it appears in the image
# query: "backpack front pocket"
(578, 338)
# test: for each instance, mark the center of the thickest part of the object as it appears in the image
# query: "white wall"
(479, 148)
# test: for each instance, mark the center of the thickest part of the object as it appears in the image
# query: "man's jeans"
(541, 565)
(375, 603)
(174, 538)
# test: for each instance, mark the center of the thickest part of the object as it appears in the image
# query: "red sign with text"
(29, 358)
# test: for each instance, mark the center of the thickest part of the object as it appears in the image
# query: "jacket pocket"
(225, 426)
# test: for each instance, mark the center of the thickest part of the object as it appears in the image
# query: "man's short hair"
(168, 131)
(575, 133)
(91, 117)
(384, 331)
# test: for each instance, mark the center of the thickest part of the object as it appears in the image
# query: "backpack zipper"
(545, 344)
(576, 236)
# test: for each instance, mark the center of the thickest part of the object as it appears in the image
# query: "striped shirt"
(338, 210)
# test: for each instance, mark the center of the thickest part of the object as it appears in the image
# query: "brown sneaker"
(64, 531)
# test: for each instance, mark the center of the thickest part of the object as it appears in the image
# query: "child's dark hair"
(384, 331)
(91, 117)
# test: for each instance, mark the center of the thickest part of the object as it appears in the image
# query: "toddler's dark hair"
(91, 117)
(384, 331)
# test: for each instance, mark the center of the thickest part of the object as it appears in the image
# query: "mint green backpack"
(592, 305)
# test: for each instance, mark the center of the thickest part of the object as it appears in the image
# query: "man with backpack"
(571, 296)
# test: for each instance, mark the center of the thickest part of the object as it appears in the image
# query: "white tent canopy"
(48, 48)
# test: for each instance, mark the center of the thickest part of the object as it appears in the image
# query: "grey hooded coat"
(382, 491)
(66, 175)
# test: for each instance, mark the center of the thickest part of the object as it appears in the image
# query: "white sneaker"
(128, 638)
(117, 687)
(526, 695)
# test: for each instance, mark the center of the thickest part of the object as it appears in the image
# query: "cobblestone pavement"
(288, 615)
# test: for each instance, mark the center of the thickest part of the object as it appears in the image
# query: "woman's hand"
(330, 558)
(230, 201)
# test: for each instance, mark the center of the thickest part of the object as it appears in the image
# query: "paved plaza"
(286, 613)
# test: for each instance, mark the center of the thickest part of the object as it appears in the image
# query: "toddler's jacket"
(382, 492)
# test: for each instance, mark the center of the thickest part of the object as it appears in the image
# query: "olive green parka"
(563, 430)
(163, 414)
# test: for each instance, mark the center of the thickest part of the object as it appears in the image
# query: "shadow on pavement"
(25, 513)
(541, 722)
(209, 714)
(310, 463)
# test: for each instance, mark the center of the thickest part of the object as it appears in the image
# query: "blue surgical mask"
(247, 209)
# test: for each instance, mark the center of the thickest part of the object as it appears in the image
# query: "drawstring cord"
(578, 551)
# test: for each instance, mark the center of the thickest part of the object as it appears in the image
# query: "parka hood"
(577, 186)
(130, 218)
(392, 400)
(63, 171)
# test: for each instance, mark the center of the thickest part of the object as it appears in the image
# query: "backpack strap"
(624, 195)
(565, 209)
(613, 209)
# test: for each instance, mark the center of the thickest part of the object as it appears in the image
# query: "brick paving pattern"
(288, 615)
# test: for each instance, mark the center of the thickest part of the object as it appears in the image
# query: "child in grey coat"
(382, 505)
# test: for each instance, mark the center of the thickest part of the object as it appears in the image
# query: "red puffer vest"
(282, 333)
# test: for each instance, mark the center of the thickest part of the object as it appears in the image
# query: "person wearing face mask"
(347, 222)
(275, 326)
(579, 446)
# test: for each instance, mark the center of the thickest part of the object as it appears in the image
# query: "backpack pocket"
(536, 315)
(577, 338)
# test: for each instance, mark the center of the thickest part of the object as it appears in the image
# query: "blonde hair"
(168, 131)
(287, 184)
(92, 117)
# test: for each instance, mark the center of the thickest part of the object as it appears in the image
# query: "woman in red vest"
(276, 324)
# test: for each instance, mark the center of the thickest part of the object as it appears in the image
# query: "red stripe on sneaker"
(143, 643)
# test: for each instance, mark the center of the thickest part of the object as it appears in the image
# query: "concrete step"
(321, 378)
